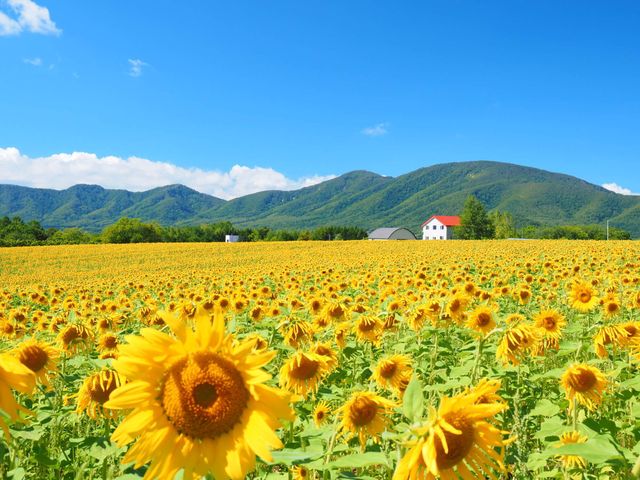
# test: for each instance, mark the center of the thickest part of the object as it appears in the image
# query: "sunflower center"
(455, 306)
(363, 411)
(458, 445)
(203, 395)
(110, 342)
(305, 368)
(388, 369)
(101, 388)
(323, 351)
(549, 323)
(483, 319)
(585, 297)
(34, 358)
(366, 326)
(583, 380)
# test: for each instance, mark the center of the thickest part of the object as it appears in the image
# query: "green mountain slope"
(533, 196)
(357, 198)
(92, 207)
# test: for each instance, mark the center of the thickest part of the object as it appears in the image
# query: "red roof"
(447, 220)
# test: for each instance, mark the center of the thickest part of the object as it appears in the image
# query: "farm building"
(231, 238)
(439, 227)
(391, 234)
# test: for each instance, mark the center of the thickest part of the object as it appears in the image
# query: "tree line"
(476, 223)
(16, 232)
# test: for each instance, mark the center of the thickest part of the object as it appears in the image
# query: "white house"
(231, 238)
(439, 227)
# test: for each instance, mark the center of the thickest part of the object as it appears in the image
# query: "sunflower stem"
(477, 360)
(107, 434)
(575, 415)
(332, 441)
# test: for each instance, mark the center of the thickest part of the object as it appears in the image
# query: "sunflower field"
(321, 360)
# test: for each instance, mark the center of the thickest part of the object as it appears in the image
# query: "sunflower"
(608, 335)
(321, 413)
(259, 343)
(300, 472)
(486, 391)
(391, 370)
(39, 357)
(13, 375)
(456, 306)
(107, 342)
(550, 322)
(459, 441)
(341, 331)
(368, 328)
(200, 402)
(416, 318)
(583, 297)
(95, 392)
(297, 332)
(303, 372)
(516, 342)
(327, 353)
(523, 294)
(74, 337)
(631, 333)
(585, 384)
(572, 461)
(611, 306)
(365, 415)
(481, 320)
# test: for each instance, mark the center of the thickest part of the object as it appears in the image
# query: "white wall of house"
(231, 238)
(435, 230)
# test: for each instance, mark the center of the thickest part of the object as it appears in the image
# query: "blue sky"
(309, 89)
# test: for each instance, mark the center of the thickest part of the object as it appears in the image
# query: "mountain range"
(359, 198)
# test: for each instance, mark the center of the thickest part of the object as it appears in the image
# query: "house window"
(441, 227)
(441, 237)
(435, 226)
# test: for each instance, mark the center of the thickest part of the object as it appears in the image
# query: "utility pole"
(607, 229)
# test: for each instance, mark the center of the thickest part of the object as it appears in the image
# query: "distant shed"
(391, 234)
(231, 238)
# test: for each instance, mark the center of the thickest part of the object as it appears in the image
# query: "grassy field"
(325, 360)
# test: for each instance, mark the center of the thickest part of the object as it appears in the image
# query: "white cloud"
(8, 26)
(36, 62)
(614, 187)
(63, 170)
(27, 15)
(135, 67)
(377, 130)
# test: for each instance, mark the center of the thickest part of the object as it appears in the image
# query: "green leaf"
(544, 408)
(536, 461)
(294, 457)
(17, 473)
(552, 427)
(32, 434)
(100, 452)
(598, 450)
(631, 384)
(413, 400)
(360, 460)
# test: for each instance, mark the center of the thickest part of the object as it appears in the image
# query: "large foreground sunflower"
(13, 375)
(459, 441)
(199, 399)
